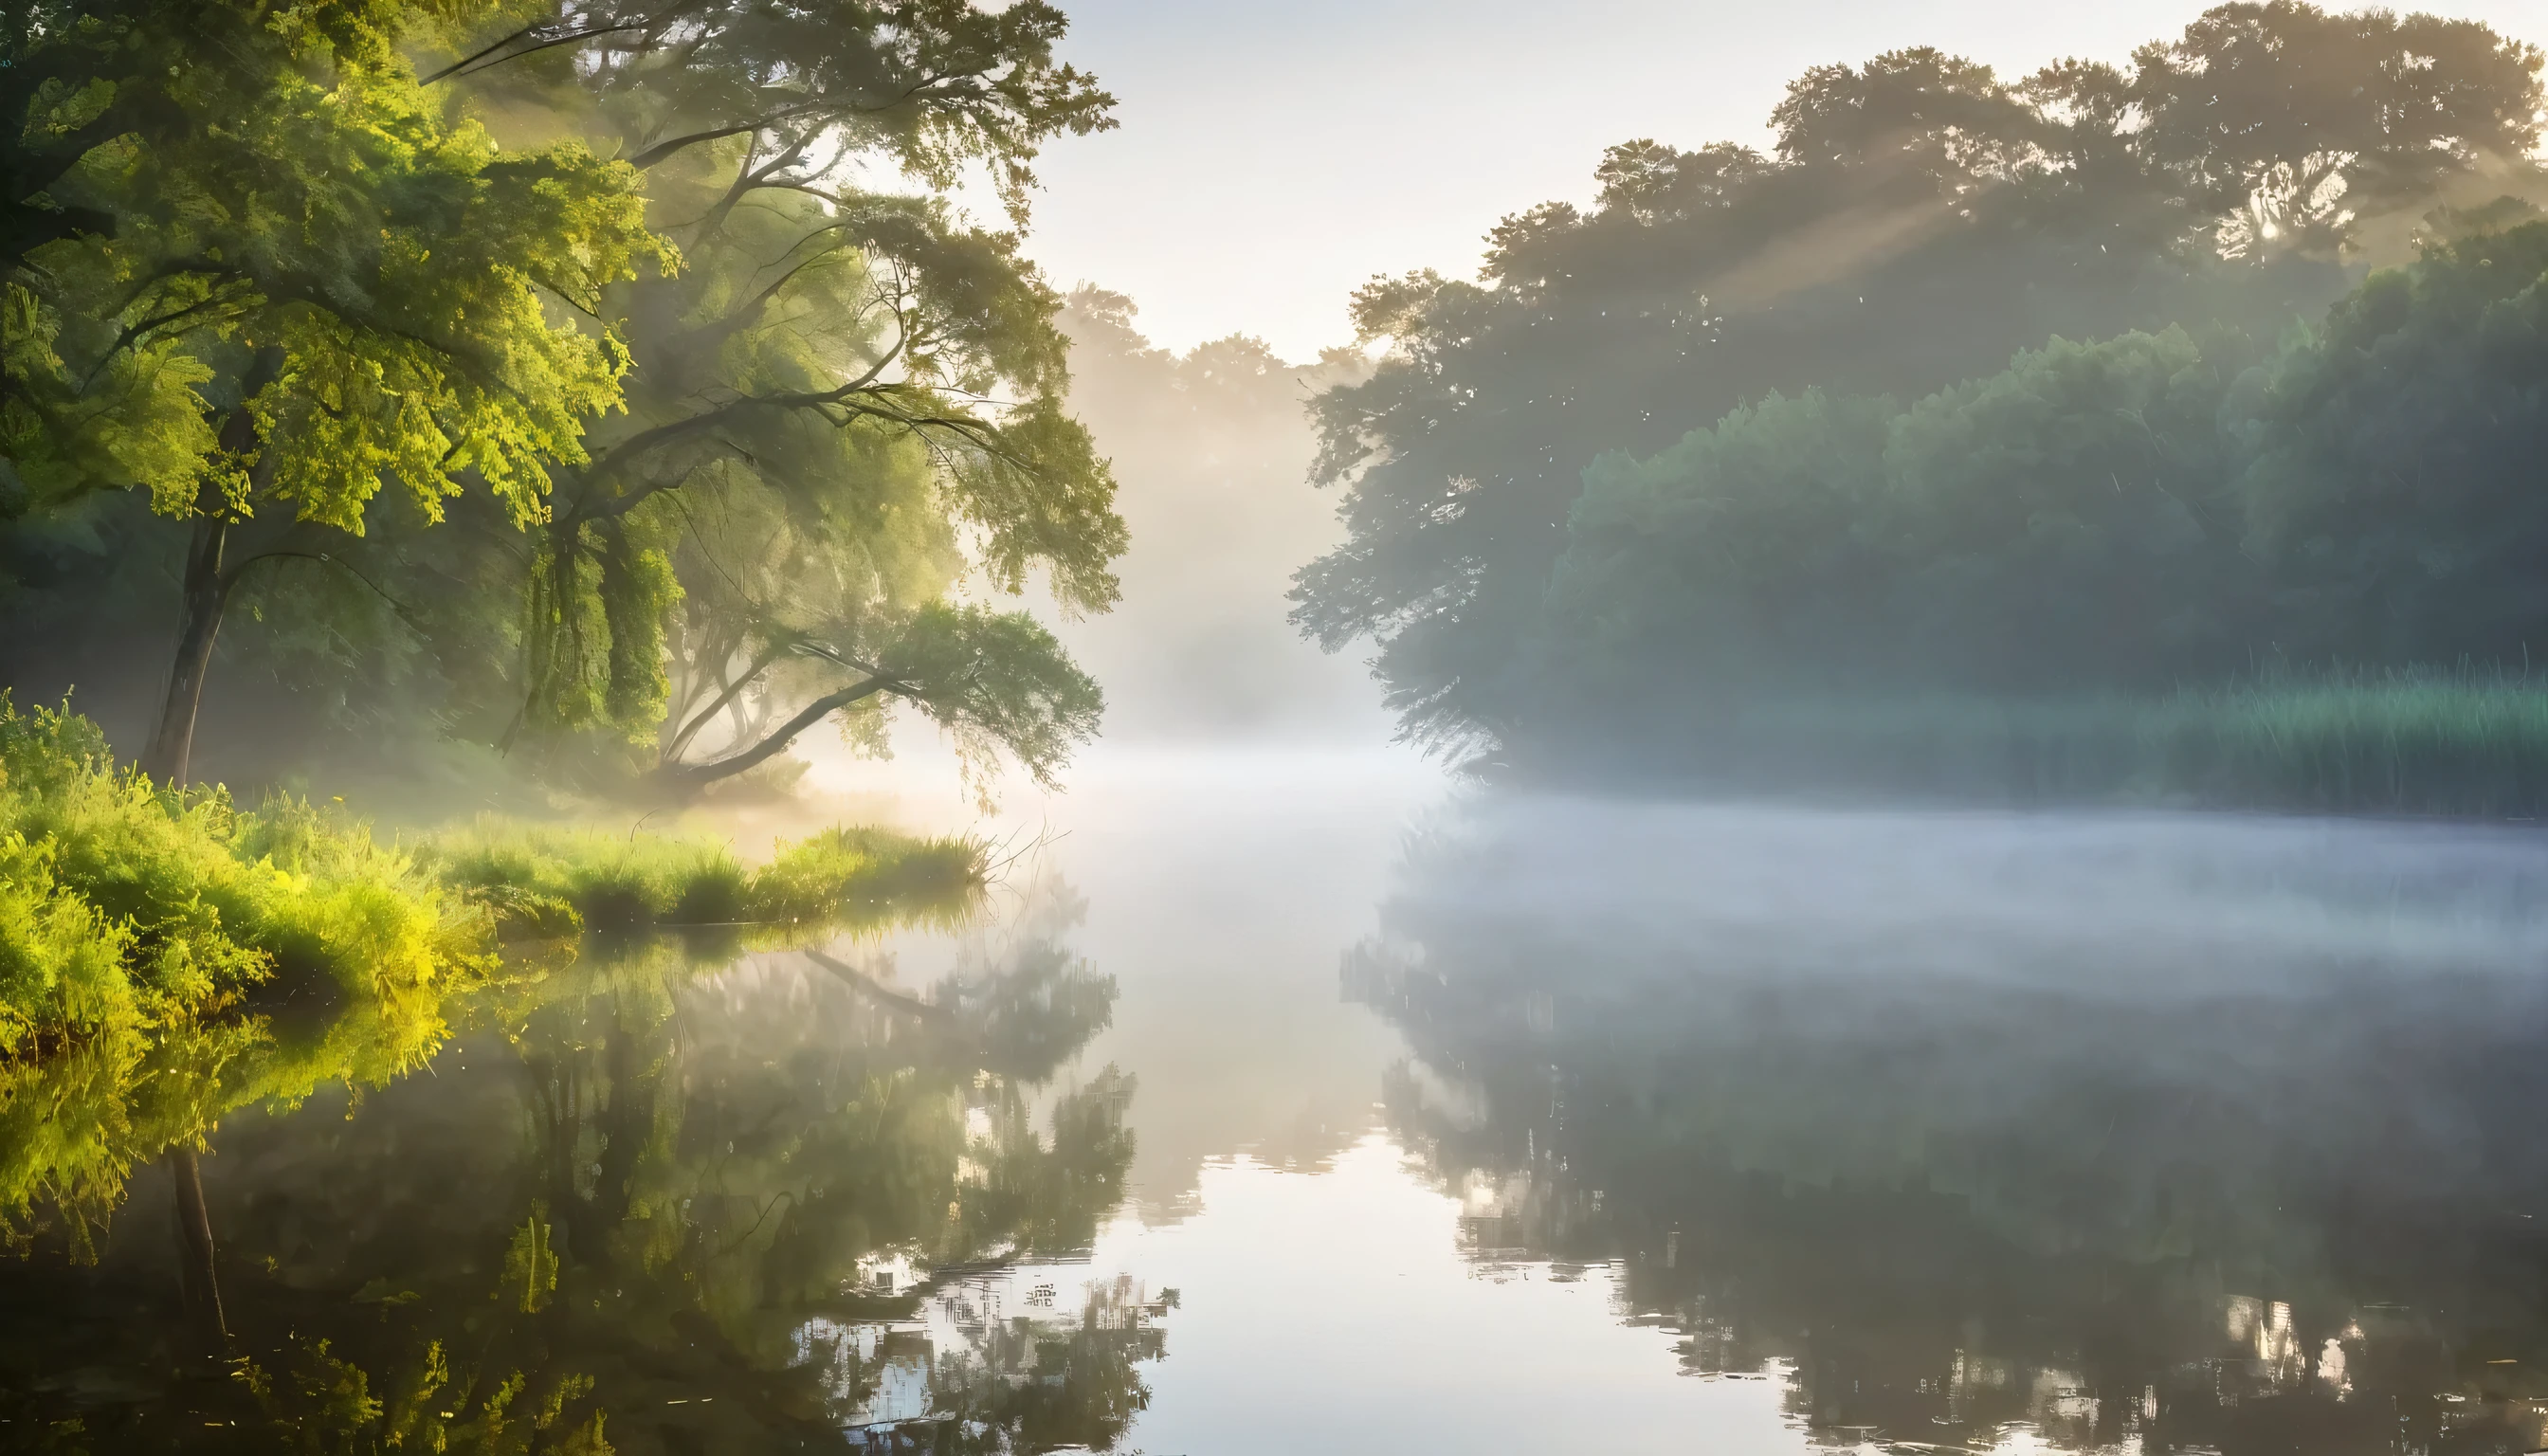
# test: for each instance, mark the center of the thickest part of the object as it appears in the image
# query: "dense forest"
(610, 385)
(2076, 424)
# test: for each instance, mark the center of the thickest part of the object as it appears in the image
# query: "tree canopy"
(1919, 220)
(582, 355)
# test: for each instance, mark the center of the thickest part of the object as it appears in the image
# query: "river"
(1282, 1103)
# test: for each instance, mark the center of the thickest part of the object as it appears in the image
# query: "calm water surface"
(1278, 1106)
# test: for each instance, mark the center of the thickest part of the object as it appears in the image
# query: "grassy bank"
(2410, 742)
(166, 957)
(126, 906)
(549, 878)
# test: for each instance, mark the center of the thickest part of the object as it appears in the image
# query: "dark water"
(1279, 1107)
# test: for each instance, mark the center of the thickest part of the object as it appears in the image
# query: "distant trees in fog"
(2005, 386)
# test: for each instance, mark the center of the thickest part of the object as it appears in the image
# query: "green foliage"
(1922, 220)
(836, 879)
(2395, 483)
(137, 925)
(2132, 522)
(994, 679)
(848, 400)
(291, 188)
(817, 880)
(320, 303)
(126, 905)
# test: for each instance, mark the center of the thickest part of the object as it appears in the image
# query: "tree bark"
(694, 776)
(199, 621)
(207, 590)
(732, 690)
(201, 1285)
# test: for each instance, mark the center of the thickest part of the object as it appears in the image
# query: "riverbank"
(166, 955)
(2424, 744)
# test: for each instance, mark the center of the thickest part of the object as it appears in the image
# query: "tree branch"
(699, 775)
(470, 66)
(759, 665)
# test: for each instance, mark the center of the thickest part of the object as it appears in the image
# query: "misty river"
(1298, 1102)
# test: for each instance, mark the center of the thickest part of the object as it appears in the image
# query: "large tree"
(848, 401)
(842, 409)
(258, 272)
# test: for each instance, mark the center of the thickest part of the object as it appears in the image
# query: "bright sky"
(1274, 155)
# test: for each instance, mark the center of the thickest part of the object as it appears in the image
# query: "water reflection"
(1984, 1134)
(640, 1205)
(1637, 1129)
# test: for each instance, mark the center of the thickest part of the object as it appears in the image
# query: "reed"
(2451, 742)
(552, 879)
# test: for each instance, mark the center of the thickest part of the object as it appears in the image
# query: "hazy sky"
(1272, 156)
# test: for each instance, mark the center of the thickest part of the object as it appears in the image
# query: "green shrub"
(124, 904)
(841, 872)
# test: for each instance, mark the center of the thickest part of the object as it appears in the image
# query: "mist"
(1211, 450)
(1054, 727)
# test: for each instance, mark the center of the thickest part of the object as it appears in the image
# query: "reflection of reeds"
(2396, 742)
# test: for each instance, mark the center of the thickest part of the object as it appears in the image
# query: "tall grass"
(2413, 743)
(127, 906)
(547, 877)
(2456, 744)
(148, 937)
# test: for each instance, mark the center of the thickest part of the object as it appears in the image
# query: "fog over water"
(1818, 733)
(1725, 1124)
(1424, 1076)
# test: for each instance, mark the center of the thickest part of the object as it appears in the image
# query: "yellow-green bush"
(123, 903)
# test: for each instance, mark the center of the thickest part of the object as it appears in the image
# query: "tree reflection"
(2116, 1199)
(637, 1208)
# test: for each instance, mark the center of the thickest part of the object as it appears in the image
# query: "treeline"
(2131, 514)
(2069, 385)
(607, 382)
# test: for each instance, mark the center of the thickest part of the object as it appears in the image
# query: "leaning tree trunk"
(699, 775)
